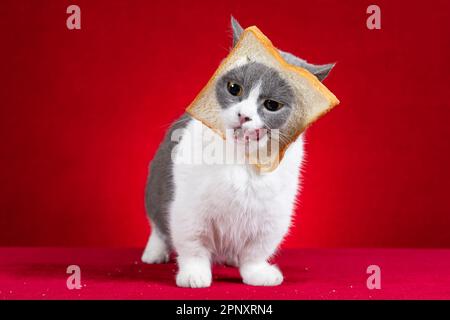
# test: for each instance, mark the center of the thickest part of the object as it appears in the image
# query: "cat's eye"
(272, 105)
(234, 89)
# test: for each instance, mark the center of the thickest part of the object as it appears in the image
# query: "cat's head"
(254, 98)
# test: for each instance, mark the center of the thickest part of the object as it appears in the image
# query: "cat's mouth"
(246, 135)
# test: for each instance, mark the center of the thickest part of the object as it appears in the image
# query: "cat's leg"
(157, 249)
(254, 266)
(194, 263)
(194, 271)
(194, 259)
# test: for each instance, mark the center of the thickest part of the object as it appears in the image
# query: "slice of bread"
(313, 99)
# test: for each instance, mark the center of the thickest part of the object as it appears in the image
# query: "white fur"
(156, 250)
(261, 274)
(231, 214)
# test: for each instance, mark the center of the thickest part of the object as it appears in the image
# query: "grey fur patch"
(160, 184)
(237, 30)
(320, 71)
(272, 87)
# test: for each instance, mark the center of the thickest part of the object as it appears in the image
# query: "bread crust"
(204, 110)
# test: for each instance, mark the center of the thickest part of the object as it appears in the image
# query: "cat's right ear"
(320, 71)
(237, 30)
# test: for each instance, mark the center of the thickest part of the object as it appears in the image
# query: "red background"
(82, 113)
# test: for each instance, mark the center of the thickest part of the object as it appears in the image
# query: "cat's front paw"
(154, 257)
(190, 279)
(194, 275)
(262, 274)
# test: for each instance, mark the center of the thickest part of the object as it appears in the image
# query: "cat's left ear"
(237, 30)
(320, 71)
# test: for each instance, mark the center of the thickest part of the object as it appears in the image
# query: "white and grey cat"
(227, 213)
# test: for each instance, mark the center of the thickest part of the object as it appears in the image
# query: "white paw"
(193, 280)
(261, 275)
(156, 250)
(154, 256)
(194, 276)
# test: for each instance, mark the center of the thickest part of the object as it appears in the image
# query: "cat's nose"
(243, 118)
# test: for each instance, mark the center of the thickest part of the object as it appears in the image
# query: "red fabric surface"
(82, 112)
(40, 273)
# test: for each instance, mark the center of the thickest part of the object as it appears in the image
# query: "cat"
(227, 213)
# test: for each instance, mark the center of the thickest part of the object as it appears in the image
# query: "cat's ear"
(320, 71)
(237, 30)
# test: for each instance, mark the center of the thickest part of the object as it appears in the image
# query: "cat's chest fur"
(232, 205)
